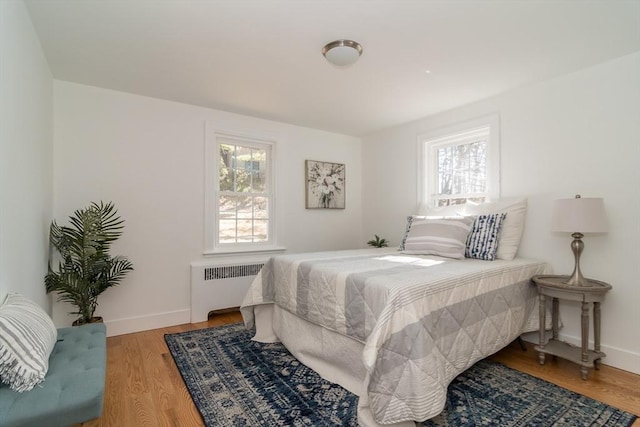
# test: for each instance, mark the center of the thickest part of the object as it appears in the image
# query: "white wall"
(26, 100)
(146, 155)
(579, 133)
(576, 134)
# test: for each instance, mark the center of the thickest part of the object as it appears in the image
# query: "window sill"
(245, 251)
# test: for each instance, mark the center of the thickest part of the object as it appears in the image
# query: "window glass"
(240, 195)
(461, 165)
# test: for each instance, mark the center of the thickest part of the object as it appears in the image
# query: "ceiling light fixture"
(342, 52)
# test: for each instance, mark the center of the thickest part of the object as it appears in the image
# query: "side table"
(593, 292)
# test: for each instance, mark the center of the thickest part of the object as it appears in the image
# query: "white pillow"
(27, 337)
(452, 210)
(446, 237)
(512, 226)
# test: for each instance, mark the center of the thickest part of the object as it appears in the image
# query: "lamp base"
(576, 280)
(577, 246)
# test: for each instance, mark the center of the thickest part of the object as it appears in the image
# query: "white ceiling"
(262, 57)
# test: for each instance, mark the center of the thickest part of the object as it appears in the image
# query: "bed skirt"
(337, 359)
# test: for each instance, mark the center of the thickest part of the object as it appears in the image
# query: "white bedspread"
(422, 320)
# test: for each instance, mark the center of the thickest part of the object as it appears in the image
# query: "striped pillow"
(444, 237)
(482, 242)
(27, 337)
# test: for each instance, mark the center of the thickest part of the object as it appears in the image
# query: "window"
(460, 164)
(242, 197)
(240, 201)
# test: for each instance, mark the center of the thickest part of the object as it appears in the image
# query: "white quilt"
(422, 319)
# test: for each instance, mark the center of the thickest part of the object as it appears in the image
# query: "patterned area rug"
(237, 382)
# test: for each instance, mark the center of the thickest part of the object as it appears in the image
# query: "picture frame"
(325, 185)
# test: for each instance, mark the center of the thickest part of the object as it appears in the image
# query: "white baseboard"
(616, 357)
(144, 323)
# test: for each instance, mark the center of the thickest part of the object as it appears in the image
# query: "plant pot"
(96, 319)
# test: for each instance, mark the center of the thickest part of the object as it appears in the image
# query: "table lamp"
(577, 216)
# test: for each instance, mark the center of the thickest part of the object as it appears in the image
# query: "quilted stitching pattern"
(423, 320)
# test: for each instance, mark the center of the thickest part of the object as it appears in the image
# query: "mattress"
(418, 320)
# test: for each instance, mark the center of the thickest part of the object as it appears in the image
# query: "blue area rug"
(237, 382)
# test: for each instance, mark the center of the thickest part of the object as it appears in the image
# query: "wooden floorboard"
(144, 386)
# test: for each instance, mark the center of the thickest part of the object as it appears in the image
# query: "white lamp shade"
(579, 215)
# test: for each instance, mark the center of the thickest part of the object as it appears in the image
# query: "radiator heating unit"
(219, 286)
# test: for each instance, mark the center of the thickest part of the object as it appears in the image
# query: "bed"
(394, 329)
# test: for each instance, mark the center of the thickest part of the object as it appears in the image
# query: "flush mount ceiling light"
(342, 52)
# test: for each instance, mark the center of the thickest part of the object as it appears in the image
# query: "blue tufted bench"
(73, 389)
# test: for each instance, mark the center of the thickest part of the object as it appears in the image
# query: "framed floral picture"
(325, 185)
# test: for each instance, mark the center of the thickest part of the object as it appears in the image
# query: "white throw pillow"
(441, 211)
(446, 237)
(27, 337)
(512, 226)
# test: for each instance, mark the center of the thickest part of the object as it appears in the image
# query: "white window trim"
(493, 159)
(212, 134)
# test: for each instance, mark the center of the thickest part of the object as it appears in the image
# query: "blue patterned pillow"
(408, 227)
(482, 240)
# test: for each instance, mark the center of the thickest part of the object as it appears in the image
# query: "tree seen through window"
(242, 198)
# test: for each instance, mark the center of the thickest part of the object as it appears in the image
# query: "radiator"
(219, 286)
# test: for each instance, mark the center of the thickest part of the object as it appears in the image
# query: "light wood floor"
(144, 387)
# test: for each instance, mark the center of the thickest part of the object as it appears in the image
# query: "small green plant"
(378, 242)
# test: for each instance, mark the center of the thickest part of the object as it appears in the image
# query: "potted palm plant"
(85, 268)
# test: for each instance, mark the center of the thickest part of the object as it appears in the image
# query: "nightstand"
(556, 288)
